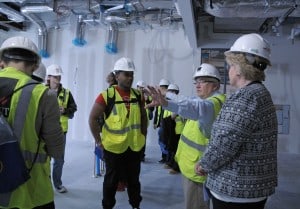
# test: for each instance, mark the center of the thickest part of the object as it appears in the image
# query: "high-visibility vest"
(192, 144)
(38, 189)
(158, 115)
(166, 113)
(63, 98)
(122, 129)
(179, 124)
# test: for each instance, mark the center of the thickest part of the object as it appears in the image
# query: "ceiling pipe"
(42, 32)
(14, 1)
(295, 32)
(246, 8)
(282, 18)
(112, 39)
(11, 13)
(80, 31)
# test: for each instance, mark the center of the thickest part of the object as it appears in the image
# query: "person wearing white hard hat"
(200, 112)
(242, 153)
(173, 125)
(123, 134)
(40, 134)
(67, 107)
(40, 73)
(158, 115)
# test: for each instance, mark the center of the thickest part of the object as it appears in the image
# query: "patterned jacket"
(241, 159)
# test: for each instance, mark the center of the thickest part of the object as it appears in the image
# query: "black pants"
(218, 204)
(128, 166)
(47, 206)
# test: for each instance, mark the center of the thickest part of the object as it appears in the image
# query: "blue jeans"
(162, 145)
(57, 169)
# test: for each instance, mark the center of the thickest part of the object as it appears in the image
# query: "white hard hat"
(164, 82)
(40, 73)
(54, 70)
(207, 70)
(173, 87)
(252, 44)
(141, 84)
(124, 64)
(21, 43)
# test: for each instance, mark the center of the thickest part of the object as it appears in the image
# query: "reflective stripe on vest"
(124, 130)
(190, 143)
(21, 110)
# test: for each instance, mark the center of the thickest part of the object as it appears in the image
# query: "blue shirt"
(193, 108)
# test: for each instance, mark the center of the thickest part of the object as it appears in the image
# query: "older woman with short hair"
(241, 159)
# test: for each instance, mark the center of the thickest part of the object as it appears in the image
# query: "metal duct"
(295, 32)
(80, 31)
(112, 39)
(253, 8)
(42, 32)
(13, 1)
(11, 13)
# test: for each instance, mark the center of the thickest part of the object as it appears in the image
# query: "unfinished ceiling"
(226, 16)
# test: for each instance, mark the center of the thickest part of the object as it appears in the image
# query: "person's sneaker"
(61, 189)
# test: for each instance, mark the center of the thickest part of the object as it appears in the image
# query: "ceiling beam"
(188, 18)
(8, 24)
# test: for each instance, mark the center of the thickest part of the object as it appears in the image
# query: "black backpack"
(13, 170)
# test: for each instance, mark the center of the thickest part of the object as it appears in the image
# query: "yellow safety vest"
(167, 113)
(192, 144)
(122, 130)
(159, 111)
(63, 98)
(179, 124)
(38, 189)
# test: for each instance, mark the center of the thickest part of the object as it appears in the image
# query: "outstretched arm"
(158, 99)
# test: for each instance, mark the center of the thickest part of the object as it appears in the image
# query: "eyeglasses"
(202, 82)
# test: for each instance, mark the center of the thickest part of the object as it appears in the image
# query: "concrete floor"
(160, 190)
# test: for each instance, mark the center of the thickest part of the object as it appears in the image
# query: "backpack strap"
(138, 97)
(111, 100)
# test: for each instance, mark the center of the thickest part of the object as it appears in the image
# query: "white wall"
(163, 54)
